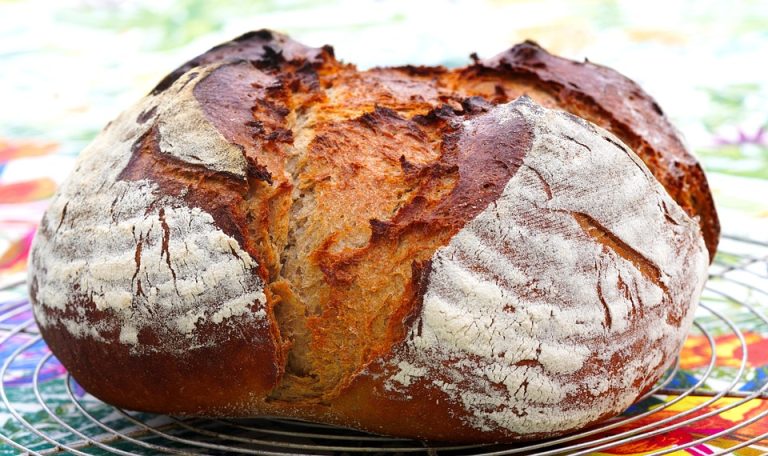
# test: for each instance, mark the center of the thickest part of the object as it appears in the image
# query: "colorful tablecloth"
(68, 67)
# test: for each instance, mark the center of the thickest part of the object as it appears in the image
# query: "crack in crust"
(598, 232)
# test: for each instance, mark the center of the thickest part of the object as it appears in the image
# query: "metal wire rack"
(46, 412)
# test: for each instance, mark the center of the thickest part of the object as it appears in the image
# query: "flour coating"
(565, 298)
(146, 260)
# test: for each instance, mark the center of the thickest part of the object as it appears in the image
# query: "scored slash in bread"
(412, 251)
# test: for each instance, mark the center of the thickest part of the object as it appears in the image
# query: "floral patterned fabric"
(68, 67)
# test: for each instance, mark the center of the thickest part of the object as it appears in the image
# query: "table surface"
(68, 67)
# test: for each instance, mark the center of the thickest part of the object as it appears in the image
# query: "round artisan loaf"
(403, 250)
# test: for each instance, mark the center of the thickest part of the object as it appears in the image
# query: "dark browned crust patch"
(260, 46)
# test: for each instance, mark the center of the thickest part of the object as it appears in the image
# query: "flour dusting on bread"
(526, 305)
(186, 133)
(145, 257)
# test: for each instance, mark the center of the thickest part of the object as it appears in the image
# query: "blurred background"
(67, 67)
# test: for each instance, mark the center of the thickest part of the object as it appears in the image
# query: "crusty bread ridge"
(404, 250)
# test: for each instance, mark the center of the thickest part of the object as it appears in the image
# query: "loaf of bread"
(506, 251)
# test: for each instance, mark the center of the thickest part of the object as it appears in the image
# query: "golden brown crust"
(351, 182)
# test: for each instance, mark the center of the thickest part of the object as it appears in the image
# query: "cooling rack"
(716, 395)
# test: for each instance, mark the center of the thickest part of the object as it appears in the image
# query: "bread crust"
(608, 99)
(264, 234)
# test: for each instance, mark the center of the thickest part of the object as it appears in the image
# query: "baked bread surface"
(403, 250)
